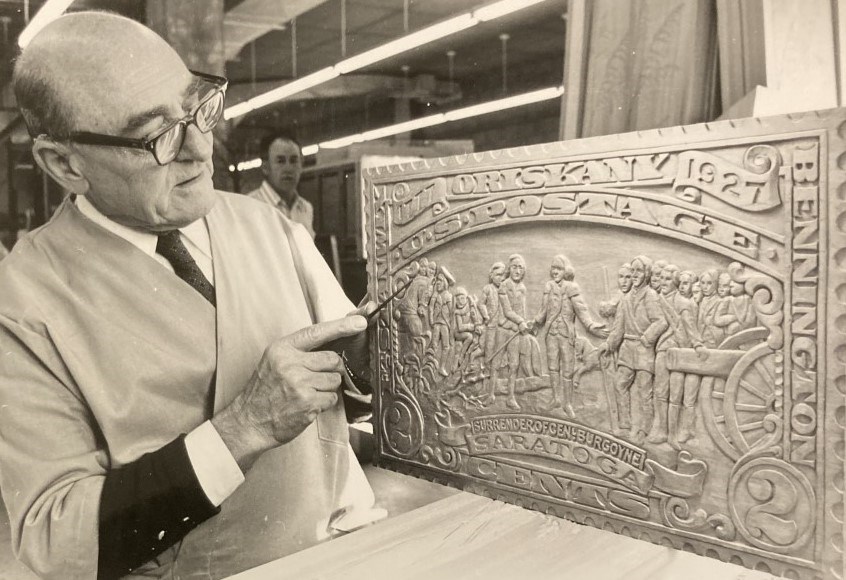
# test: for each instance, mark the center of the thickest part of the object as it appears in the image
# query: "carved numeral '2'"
(779, 496)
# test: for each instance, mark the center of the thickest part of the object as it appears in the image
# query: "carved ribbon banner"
(753, 187)
(575, 444)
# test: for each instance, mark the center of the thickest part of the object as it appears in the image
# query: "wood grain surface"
(468, 536)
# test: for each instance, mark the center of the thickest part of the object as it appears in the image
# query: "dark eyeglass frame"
(149, 143)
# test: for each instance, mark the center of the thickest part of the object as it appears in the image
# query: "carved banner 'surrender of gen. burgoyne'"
(641, 332)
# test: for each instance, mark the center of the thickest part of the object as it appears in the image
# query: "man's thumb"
(316, 335)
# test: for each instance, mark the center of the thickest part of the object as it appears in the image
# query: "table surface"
(446, 534)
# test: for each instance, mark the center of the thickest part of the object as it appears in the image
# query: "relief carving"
(678, 402)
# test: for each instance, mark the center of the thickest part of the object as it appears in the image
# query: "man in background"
(282, 165)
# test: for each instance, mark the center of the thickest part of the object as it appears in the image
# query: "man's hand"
(598, 329)
(291, 385)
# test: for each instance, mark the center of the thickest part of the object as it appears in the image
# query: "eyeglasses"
(166, 143)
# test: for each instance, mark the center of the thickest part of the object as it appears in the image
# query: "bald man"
(167, 404)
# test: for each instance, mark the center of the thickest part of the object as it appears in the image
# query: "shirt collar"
(196, 231)
(273, 194)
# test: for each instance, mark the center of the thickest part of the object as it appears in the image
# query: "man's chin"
(190, 204)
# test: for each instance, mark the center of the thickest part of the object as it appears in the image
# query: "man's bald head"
(62, 75)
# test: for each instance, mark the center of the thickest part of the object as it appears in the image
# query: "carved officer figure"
(489, 309)
(514, 328)
(637, 326)
(681, 333)
(562, 304)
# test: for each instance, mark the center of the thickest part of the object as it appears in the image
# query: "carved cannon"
(740, 381)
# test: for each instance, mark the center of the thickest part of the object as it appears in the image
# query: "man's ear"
(265, 168)
(57, 161)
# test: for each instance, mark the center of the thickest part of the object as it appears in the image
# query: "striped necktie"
(171, 247)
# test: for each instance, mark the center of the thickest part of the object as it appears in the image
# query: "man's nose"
(197, 146)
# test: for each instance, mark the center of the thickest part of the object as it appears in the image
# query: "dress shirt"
(300, 210)
(213, 463)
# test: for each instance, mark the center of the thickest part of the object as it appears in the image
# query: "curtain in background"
(650, 63)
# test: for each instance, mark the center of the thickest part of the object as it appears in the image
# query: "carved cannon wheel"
(750, 396)
(733, 429)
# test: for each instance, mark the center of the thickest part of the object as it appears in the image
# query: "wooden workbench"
(460, 535)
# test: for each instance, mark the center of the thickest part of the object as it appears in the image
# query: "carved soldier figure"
(441, 317)
(655, 279)
(608, 308)
(736, 312)
(562, 304)
(514, 327)
(712, 336)
(466, 328)
(696, 294)
(409, 309)
(681, 333)
(638, 324)
(687, 280)
(489, 309)
(429, 270)
(724, 318)
(608, 360)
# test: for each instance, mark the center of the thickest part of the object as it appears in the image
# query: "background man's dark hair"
(268, 140)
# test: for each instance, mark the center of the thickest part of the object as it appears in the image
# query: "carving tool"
(388, 299)
(354, 382)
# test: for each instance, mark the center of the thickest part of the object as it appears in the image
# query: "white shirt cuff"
(215, 468)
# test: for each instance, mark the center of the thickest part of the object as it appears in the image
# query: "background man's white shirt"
(300, 211)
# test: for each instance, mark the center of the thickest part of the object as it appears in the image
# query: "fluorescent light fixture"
(506, 103)
(251, 164)
(407, 42)
(387, 50)
(299, 85)
(465, 113)
(403, 127)
(277, 94)
(237, 110)
(501, 8)
(342, 142)
(51, 10)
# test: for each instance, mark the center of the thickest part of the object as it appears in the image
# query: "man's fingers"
(316, 335)
(322, 361)
(364, 308)
(325, 382)
(326, 400)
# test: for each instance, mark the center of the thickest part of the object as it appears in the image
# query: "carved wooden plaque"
(643, 332)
